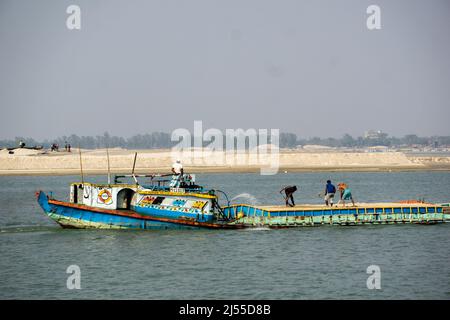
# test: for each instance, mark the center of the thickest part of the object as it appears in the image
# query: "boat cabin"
(155, 194)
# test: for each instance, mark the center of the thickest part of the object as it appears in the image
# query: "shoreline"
(199, 170)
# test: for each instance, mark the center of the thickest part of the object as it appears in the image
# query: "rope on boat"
(219, 208)
(226, 197)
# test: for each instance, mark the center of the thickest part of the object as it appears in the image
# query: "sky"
(308, 67)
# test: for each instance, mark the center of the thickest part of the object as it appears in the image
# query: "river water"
(327, 262)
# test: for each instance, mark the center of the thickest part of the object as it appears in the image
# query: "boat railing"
(134, 176)
(159, 183)
(187, 189)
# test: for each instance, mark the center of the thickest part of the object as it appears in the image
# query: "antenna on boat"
(134, 166)
(109, 168)
(81, 165)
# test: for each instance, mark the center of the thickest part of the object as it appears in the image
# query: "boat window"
(158, 200)
(75, 194)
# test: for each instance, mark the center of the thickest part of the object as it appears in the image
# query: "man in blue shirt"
(330, 190)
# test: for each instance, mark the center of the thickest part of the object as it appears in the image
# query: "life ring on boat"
(104, 196)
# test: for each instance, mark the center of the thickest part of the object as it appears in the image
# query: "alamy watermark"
(73, 21)
(74, 280)
(373, 21)
(235, 147)
(374, 280)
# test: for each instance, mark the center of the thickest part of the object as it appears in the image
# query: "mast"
(134, 166)
(109, 168)
(81, 165)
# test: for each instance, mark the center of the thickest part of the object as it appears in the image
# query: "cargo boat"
(157, 206)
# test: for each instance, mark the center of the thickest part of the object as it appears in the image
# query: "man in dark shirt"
(289, 191)
(330, 190)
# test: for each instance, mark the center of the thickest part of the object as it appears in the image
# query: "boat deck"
(319, 214)
(340, 206)
(304, 210)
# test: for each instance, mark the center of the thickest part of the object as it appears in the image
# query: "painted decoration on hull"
(179, 203)
(198, 204)
(86, 192)
(147, 200)
(183, 204)
(151, 200)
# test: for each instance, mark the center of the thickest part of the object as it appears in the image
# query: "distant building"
(374, 134)
(377, 149)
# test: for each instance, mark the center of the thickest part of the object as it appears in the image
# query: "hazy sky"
(308, 67)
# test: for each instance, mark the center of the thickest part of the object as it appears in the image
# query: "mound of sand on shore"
(20, 152)
(344, 159)
(25, 161)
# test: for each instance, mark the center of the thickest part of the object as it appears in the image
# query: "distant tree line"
(161, 140)
(359, 142)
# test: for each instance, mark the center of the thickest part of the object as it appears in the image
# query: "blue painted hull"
(172, 214)
(388, 213)
(252, 211)
(78, 216)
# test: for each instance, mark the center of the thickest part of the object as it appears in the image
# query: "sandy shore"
(34, 162)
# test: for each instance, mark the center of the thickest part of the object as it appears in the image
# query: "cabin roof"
(147, 190)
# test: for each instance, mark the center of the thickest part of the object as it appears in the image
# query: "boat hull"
(69, 215)
(314, 215)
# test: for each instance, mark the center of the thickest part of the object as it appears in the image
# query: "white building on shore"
(374, 134)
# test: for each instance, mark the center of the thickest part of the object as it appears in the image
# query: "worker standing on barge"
(177, 174)
(330, 190)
